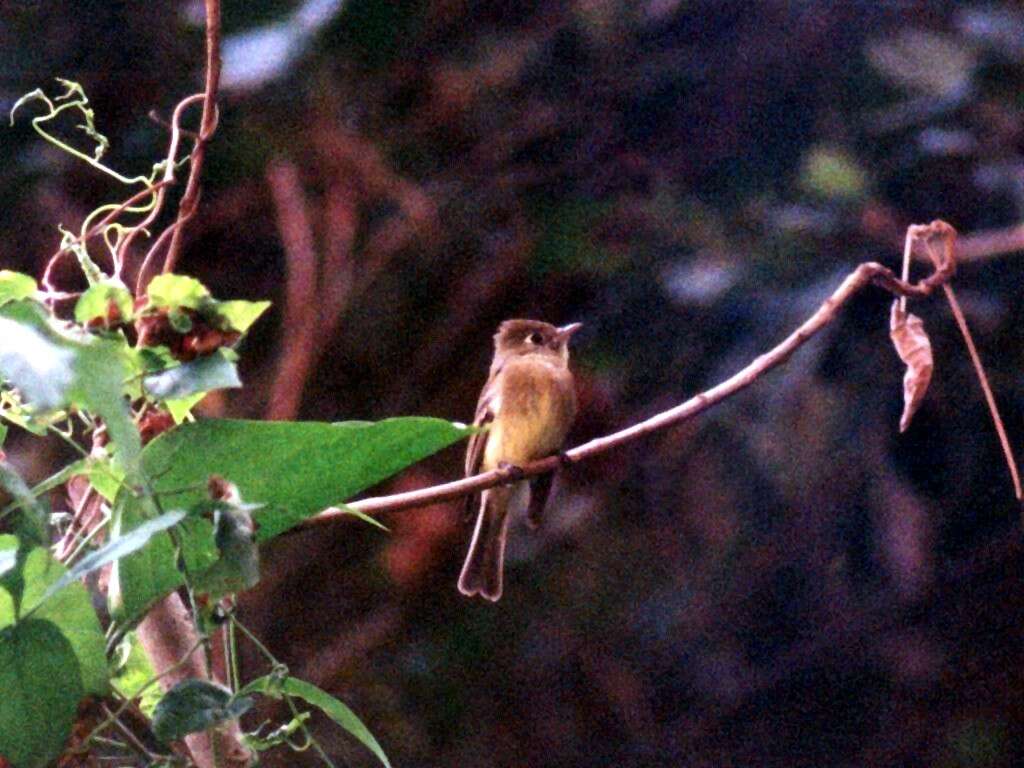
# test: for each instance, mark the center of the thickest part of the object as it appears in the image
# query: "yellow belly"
(535, 412)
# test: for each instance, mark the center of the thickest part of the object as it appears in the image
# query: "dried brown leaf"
(915, 350)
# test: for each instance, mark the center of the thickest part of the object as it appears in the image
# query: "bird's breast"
(537, 406)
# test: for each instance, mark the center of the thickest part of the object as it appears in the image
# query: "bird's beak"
(568, 330)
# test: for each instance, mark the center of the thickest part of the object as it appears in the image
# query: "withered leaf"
(915, 350)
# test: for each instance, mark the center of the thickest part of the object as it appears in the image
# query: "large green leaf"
(339, 712)
(39, 679)
(294, 469)
(70, 610)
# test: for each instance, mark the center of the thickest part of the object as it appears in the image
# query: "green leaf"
(15, 286)
(272, 686)
(99, 375)
(71, 611)
(105, 476)
(195, 705)
(240, 315)
(52, 369)
(59, 477)
(35, 514)
(345, 509)
(180, 409)
(33, 357)
(113, 550)
(202, 375)
(238, 565)
(96, 301)
(8, 559)
(134, 673)
(41, 687)
(172, 291)
(294, 469)
(146, 360)
(179, 320)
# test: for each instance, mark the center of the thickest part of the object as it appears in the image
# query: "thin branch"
(208, 124)
(97, 228)
(168, 179)
(300, 311)
(989, 243)
(990, 399)
(948, 236)
(864, 275)
(338, 268)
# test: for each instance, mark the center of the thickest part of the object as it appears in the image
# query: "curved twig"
(948, 236)
(864, 275)
(97, 228)
(168, 179)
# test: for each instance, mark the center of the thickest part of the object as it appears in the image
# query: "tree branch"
(299, 327)
(208, 124)
(866, 274)
(989, 243)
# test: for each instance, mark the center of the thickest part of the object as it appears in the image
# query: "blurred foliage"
(787, 581)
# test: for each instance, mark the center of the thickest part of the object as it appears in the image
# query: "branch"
(299, 327)
(169, 169)
(948, 236)
(866, 274)
(168, 637)
(989, 243)
(208, 124)
(65, 250)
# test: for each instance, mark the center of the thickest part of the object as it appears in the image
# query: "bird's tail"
(485, 562)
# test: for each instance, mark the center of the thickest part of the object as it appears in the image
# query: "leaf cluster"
(119, 382)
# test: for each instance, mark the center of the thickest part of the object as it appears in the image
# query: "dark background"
(785, 581)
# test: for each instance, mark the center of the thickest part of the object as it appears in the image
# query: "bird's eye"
(535, 338)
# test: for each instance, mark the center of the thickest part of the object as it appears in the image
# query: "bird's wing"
(486, 408)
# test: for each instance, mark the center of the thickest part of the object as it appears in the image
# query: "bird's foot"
(511, 471)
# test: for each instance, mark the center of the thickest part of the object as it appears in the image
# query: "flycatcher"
(527, 405)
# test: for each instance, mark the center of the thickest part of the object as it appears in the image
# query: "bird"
(524, 413)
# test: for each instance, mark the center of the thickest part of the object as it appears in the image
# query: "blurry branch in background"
(990, 243)
(321, 281)
(301, 309)
(868, 273)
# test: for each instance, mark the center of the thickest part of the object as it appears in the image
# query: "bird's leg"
(540, 489)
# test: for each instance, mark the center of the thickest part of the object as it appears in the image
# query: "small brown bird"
(527, 405)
